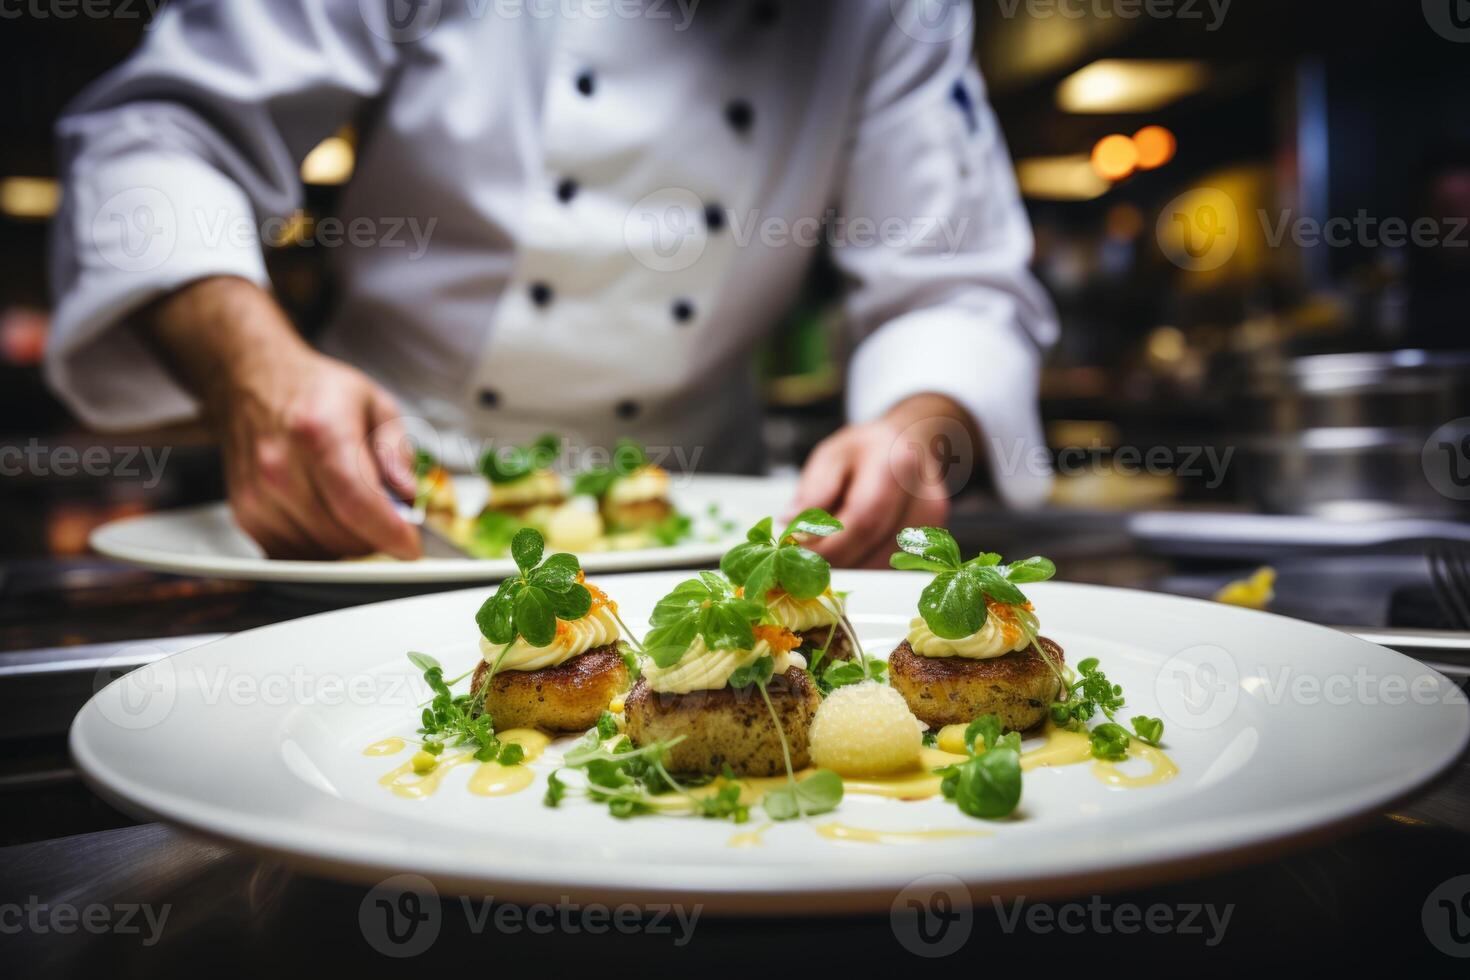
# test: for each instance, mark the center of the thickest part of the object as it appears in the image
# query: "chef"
(569, 215)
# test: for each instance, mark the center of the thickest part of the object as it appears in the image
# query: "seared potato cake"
(566, 698)
(1017, 687)
(727, 726)
(636, 515)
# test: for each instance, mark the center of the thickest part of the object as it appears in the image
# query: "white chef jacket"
(621, 198)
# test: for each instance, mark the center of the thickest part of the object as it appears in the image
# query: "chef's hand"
(880, 477)
(294, 425)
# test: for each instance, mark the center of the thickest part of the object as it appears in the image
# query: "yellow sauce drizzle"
(842, 832)
(489, 779)
(1161, 768)
(1065, 748)
(388, 746)
(751, 838)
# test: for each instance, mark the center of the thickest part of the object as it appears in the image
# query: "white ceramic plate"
(204, 541)
(1280, 729)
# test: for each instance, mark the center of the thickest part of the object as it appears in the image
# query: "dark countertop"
(1350, 898)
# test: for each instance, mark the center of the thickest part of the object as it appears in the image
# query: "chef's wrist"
(933, 412)
(220, 336)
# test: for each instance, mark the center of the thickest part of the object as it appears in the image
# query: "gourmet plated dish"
(623, 505)
(751, 692)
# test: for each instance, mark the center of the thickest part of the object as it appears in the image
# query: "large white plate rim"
(353, 854)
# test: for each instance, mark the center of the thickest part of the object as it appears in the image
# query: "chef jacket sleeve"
(172, 162)
(936, 246)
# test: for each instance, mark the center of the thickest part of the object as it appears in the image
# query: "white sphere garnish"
(572, 528)
(865, 730)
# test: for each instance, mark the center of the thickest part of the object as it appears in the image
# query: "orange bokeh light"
(1155, 146)
(1114, 157)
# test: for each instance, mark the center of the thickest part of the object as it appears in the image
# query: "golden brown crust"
(727, 726)
(566, 698)
(637, 515)
(1017, 687)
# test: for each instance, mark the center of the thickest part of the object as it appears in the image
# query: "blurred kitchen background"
(1252, 216)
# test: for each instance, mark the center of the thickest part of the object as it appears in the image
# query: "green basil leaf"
(996, 586)
(685, 598)
(571, 604)
(953, 605)
(989, 785)
(1036, 569)
(741, 560)
(526, 548)
(805, 574)
(496, 617)
(724, 626)
(535, 619)
(930, 542)
(815, 521)
(664, 645)
(761, 532)
(557, 573)
(984, 559)
(905, 562)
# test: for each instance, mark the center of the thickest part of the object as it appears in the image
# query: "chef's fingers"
(391, 448)
(287, 471)
(825, 475)
(873, 504)
(267, 524)
(361, 503)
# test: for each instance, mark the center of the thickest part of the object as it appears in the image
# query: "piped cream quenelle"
(599, 628)
(705, 669)
(800, 615)
(1004, 631)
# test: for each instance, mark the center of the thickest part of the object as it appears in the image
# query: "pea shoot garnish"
(987, 784)
(953, 605)
(819, 792)
(1091, 693)
(530, 603)
(458, 720)
(633, 781)
(765, 561)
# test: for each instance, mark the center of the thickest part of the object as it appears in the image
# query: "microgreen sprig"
(453, 720)
(953, 605)
(819, 792)
(530, 603)
(1091, 693)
